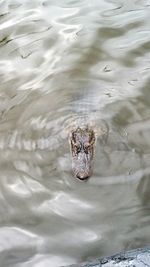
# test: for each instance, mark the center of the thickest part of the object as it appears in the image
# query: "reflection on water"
(61, 61)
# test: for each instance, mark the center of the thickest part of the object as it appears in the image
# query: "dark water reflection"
(60, 60)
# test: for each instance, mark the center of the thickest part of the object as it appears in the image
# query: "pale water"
(58, 61)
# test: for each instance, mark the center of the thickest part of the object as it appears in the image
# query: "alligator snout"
(82, 164)
(82, 148)
(82, 175)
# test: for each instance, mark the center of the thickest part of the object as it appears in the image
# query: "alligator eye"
(86, 147)
(77, 148)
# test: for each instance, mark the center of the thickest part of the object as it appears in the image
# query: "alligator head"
(82, 148)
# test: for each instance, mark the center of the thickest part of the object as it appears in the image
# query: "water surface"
(60, 60)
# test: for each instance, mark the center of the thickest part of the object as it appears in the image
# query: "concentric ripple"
(63, 62)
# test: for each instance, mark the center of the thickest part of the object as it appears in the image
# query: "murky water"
(58, 61)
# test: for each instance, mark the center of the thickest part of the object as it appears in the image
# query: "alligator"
(86, 128)
(82, 142)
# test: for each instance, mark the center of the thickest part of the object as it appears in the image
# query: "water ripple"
(62, 64)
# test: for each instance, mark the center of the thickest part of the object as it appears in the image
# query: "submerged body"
(85, 126)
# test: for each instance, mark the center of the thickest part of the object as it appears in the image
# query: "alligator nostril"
(82, 175)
